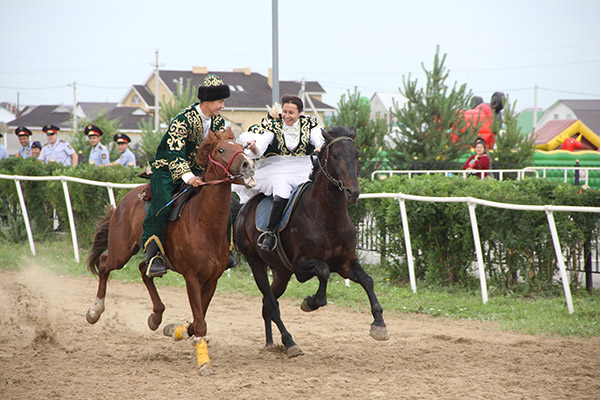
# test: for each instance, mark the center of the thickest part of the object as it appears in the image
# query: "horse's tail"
(101, 239)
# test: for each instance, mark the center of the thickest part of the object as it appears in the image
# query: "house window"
(136, 99)
(556, 116)
(569, 116)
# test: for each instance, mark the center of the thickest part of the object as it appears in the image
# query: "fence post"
(408, 244)
(71, 220)
(111, 196)
(25, 216)
(472, 209)
(495, 166)
(577, 174)
(560, 261)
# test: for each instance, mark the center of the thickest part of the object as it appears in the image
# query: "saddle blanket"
(264, 207)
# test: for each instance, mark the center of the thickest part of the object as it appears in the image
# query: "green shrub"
(517, 246)
(44, 197)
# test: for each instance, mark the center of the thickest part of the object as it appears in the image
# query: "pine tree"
(431, 118)
(354, 112)
(513, 149)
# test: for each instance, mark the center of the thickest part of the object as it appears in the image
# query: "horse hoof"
(152, 325)
(169, 329)
(205, 369)
(92, 316)
(379, 332)
(305, 306)
(293, 351)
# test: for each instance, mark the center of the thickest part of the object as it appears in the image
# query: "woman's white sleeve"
(317, 137)
(262, 141)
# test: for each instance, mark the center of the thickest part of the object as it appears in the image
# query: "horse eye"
(221, 150)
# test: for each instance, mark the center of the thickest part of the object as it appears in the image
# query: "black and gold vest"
(278, 145)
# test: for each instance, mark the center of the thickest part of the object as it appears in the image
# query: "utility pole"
(275, 89)
(74, 108)
(156, 92)
(307, 99)
(534, 111)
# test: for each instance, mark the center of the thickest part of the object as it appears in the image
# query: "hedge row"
(43, 197)
(517, 245)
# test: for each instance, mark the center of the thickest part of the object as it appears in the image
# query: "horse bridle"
(324, 168)
(229, 177)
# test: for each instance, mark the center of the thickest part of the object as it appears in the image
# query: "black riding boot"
(231, 262)
(277, 208)
(155, 266)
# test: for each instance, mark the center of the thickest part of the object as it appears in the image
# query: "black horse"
(319, 238)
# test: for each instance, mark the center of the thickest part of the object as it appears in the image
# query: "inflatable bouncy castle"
(486, 115)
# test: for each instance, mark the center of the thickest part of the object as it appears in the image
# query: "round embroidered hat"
(213, 88)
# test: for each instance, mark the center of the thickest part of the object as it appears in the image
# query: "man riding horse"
(175, 165)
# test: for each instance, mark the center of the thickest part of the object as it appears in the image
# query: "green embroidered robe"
(177, 150)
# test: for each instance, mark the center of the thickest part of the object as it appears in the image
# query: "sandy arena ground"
(49, 351)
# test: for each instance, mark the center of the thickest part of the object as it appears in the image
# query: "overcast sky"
(106, 46)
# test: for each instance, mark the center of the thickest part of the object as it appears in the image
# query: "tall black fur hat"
(213, 88)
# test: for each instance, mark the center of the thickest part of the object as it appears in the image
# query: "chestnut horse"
(196, 244)
(319, 238)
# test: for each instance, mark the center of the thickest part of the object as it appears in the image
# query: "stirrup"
(263, 237)
(160, 273)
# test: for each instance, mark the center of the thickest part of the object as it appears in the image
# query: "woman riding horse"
(319, 238)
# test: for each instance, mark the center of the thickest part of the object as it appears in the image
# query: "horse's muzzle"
(352, 195)
(247, 170)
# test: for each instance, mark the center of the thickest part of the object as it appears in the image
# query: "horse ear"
(352, 133)
(228, 133)
(326, 135)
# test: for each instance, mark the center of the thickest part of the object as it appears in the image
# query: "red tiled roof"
(550, 130)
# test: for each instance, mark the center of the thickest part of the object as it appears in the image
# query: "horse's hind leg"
(308, 268)
(105, 266)
(358, 275)
(156, 317)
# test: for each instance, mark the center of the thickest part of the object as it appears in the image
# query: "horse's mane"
(329, 135)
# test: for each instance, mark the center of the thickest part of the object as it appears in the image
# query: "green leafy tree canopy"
(430, 123)
(354, 112)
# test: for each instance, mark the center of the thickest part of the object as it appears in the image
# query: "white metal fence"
(585, 173)
(471, 204)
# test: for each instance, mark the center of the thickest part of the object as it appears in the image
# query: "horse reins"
(324, 168)
(229, 177)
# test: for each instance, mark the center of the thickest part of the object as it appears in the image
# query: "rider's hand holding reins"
(195, 181)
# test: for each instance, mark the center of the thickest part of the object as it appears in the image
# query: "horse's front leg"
(358, 275)
(306, 269)
(198, 329)
(156, 317)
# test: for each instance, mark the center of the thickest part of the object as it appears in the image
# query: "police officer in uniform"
(3, 150)
(56, 150)
(99, 155)
(24, 135)
(36, 149)
(127, 158)
(175, 164)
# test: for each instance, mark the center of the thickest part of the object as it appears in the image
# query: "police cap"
(91, 129)
(50, 129)
(22, 131)
(121, 138)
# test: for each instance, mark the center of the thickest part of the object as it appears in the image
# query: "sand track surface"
(49, 351)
